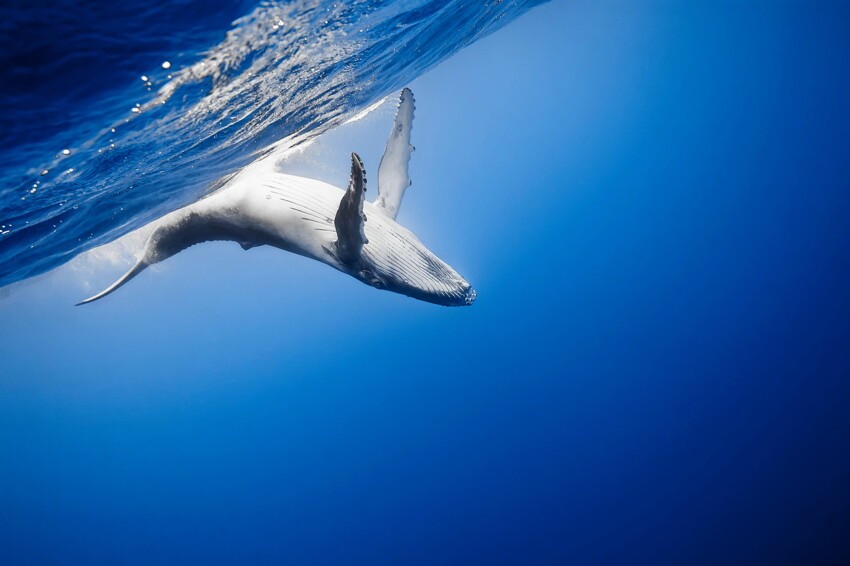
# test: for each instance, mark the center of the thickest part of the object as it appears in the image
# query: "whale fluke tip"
(124, 278)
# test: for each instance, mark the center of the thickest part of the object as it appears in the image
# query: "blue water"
(651, 199)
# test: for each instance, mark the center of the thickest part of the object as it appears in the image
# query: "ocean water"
(651, 199)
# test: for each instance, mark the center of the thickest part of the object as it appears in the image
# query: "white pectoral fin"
(393, 175)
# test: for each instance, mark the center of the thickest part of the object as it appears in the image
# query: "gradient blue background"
(652, 200)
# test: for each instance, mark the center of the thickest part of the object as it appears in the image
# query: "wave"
(122, 151)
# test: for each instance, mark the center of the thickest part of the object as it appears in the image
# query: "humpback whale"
(320, 221)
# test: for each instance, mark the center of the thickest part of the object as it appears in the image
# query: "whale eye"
(372, 279)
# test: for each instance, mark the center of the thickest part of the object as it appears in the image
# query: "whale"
(311, 218)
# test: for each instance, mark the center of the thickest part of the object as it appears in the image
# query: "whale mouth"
(460, 296)
(463, 297)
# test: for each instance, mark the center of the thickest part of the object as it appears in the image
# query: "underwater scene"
(424, 282)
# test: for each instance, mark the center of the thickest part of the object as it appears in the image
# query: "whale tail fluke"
(179, 231)
(135, 270)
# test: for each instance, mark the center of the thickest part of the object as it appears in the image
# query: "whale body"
(320, 221)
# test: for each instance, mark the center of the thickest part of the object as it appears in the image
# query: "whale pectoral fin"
(393, 175)
(349, 220)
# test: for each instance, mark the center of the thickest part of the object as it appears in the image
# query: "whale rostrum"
(320, 221)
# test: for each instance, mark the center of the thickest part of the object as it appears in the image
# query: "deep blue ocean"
(650, 197)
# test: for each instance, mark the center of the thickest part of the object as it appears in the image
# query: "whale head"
(393, 259)
(372, 247)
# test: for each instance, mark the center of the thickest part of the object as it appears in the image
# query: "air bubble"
(66, 152)
(166, 64)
